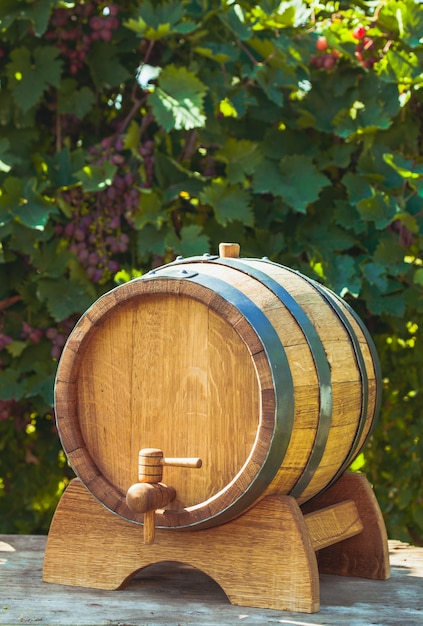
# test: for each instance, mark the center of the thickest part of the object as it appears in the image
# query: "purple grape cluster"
(16, 410)
(34, 335)
(74, 30)
(58, 335)
(5, 340)
(146, 151)
(5, 409)
(95, 236)
(97, 232)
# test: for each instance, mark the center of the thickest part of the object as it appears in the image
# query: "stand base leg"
(263, 559)
(365, 555)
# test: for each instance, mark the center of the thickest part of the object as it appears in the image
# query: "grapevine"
(297, 133)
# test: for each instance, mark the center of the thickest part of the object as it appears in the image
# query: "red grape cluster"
(365, 48)
(74, 30)
(365, 51)
(325, 58)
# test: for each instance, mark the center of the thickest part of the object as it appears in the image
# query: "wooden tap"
(150, 493)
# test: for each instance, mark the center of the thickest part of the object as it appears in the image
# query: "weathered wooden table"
(176, 595)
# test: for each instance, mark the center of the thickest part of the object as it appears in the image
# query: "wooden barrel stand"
(269, 557)
(256, 388)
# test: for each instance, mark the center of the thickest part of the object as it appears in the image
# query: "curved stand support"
(262, 559)
(265, 558)
(365, 555)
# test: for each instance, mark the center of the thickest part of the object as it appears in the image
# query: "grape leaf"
(163, 13)
(15, 348)
(369, 118)
(35, 211)
(151, 241)
(38, 12)
(41, 384)
(5, 158)
(51, 258)
(219, 52)
(106, 69)
(418, 277)
(229, 203)
(154, 22)
(406, 168)
(336, 156)
(62, 166)
(177, 102)
(399, 66)
(357, 187)
(10, 198)
(390, 253)
(30, 74)
(342, 275)
(74, 101)
(375, 273)
(411, 24)
(140, 27)
(380, 208)
(319, 111)
(131, 139)
(96, 177)
(191, 241)
(241, 158)
(296, 180)
(234, 19)
(10, 387)
(271, 80)
(242, 100)
(390, 304)
(149, 210)
(277, 144)
(281, 14)
(373, 167)
(326, 236)
(65, 297)
(266, 177)
(173, 178)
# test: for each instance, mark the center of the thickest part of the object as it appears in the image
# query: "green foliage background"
(190, 123)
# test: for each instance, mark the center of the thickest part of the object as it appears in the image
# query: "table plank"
(177, 595)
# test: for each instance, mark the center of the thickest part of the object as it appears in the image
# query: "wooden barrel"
(264, 374)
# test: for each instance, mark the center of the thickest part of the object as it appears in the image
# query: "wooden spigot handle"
(150, 493)
(193, 463)
(151, 461)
